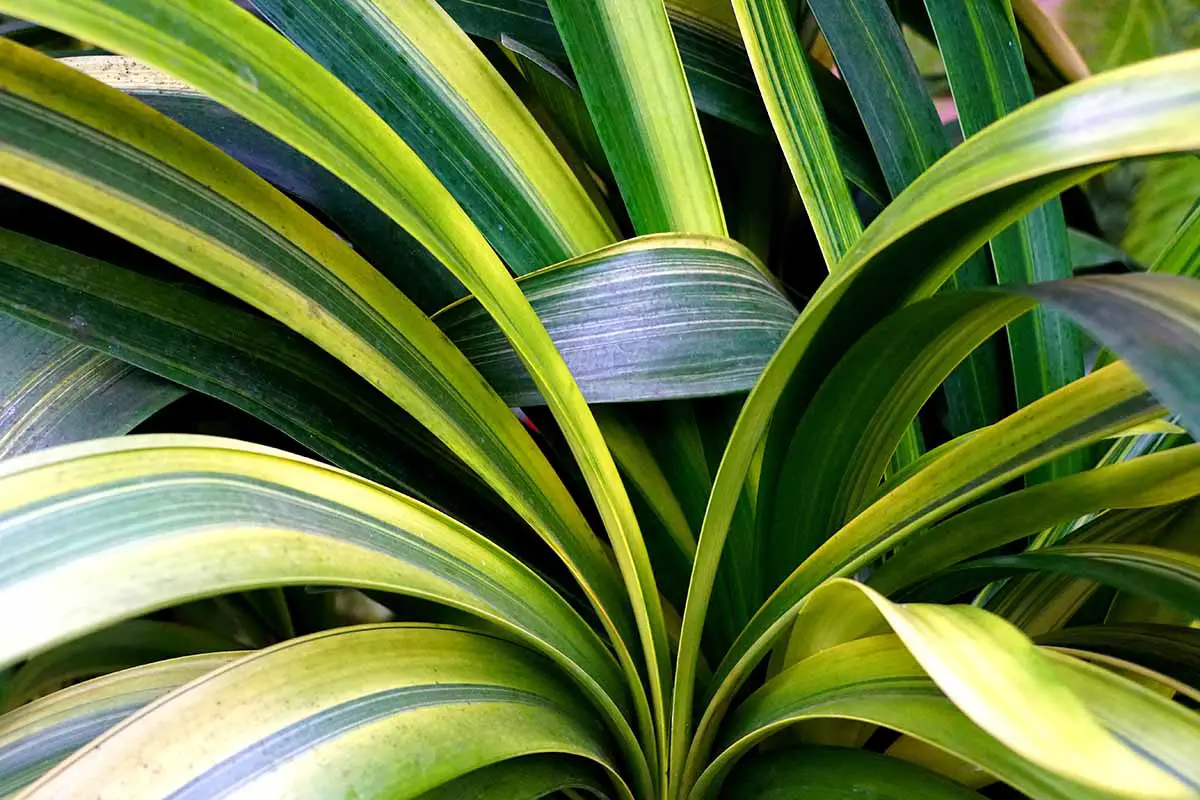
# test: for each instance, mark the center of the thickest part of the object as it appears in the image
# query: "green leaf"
(835, 457)
(1041, 602)
(715, 63)
(1164, 309)
(1173, 650)
(249, 68)
(629, 71)
(1167, 576)
(126, 644)
(907, 136)
(981, 662)
(1089, 251)
(53, 391)
(836, 773)
(1181, 254)
(918, 241)
(238, 357)
(659, 317)
(881, 75)
(404, 709)
(1143, 482)
(311, 280)
(525, 778)
(978, 42)
(787, 86)
(877, 680)
(401, 259)
(215, 516)
(39, 735)
(1082, 412)
(1112, 34)
(417, 69)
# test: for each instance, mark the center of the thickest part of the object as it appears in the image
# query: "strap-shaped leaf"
(388, 247)
(629, 71)
(1080, 413)
(837, 454)
(396, 709)
(53, 391)
(718, 72)
(1163, 309)
(658, 317)
(418, 70)
(40, 734)
(835, 773)
(877, 680)
(786, 84)
(126, 644)
(1042, 602)
(981, 662)
(310, 280)
(216, 516)
(1173, 650)
(1181, 255)
(246, 360)
(907, 136)
(980, 48)
(1154, 480)
(242, 63)
(918, 241)
(1168, 576)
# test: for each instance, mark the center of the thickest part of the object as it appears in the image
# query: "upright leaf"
(418, 70)
(311, 280)
(628, 68)
(787, 87)
(979, 46)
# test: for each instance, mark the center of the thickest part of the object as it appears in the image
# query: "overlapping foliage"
(404, 398)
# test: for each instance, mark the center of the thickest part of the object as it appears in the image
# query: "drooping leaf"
(1144, 482)
(980, 662)
(386, 245)
(956, 206)
(659, 317)
(1173, 650)
(877, 680)
(1082, 412)
(216, 516)
(1167, 576)
(39, 735)
(311, 280)
(380, 701)
(251, 69)
(248, 361)
(1163, 308)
